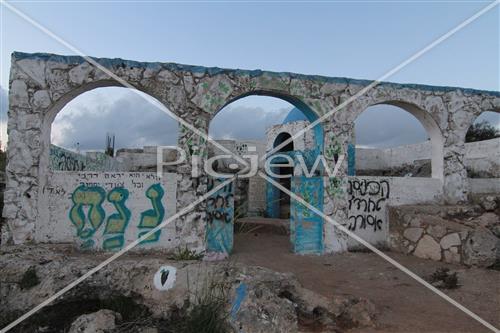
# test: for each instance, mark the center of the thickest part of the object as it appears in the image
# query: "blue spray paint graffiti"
(351, 159)
(241, 293)
(117, 223)
(272, 201)
(87, 215)
(90, 197)
(153, 217)
(306, 227)
(220, 215)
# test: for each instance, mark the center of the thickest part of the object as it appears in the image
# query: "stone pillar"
(337, 137)
(192, 183)
(26, 104)
(455, 182)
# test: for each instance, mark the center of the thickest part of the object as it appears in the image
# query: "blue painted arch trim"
(309, 113)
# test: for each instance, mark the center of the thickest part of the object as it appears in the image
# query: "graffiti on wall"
(152, 217)
(351, 159)
(306, 227)
(109, 209)
(64, 160)
(61, 159)
(220, 215)
(366, 204)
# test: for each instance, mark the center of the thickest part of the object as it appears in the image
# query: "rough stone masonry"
(42, 84)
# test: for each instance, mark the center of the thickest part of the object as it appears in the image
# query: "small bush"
(29, 279)
(442, 278)
(481, 131)
(186, 254)
(208, 312)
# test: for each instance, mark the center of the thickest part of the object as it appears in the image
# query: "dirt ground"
(403, 304)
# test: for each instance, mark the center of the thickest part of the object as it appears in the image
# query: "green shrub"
(186, 254)
(442, 278)
(208, 311)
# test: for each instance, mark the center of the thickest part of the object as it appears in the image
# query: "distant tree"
(2, 161)
(481, 131)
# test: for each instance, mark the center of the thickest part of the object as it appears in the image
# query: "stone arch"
(427, 121)
(46, 127)
(473, 117)
(481, 156)
(51, 112)
(310, 113)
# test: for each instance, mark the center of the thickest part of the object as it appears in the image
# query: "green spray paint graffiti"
(333, 148)
(117, 223)
(153, 217)
(335, 186)
(87, 215)
(91, 197)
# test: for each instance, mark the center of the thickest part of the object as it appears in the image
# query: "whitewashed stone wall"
(242, 148)
(257, 196)
(42, 84)
(60, 221)
(301, 142)
(479, 157)
(369, 199)
(145, 159)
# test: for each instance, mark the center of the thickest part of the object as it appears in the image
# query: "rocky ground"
(123, 298)
(402, 304)
(264, 288)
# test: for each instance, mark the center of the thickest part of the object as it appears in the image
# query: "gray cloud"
(136, 123)
(245, 123)
(385, 126)
(133, 120)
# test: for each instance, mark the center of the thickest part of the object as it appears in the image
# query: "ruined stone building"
(114, 201)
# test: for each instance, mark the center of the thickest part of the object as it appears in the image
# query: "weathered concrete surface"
(258, 300)
(41, 84)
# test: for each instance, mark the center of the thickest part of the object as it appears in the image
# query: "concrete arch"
(311, 114)
(473, 119)
(57, 106)
(431, 127)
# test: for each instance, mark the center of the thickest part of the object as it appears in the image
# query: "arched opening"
(286, 182)
(397, 140)
(109, 129)
(281, 138)
(482, 146)
(260, 124)
(90, 138)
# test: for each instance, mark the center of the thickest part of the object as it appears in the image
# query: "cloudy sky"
(311, 38)
(84, 122)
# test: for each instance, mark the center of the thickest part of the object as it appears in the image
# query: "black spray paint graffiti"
(366, 203)
(219, 206)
